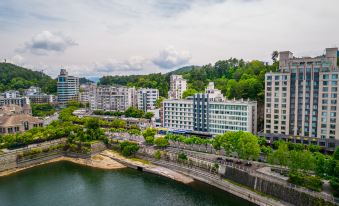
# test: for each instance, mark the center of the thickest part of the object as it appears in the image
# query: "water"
(65, 183)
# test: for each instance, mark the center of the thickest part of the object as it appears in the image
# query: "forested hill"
(235, 78)
(19, 78)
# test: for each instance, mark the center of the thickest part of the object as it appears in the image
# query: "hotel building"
(67, 88)
(301, 100)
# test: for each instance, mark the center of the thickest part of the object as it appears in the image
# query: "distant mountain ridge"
(19, 78)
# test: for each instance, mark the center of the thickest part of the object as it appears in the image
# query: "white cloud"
(17, 59)
(169, 58)
(133, 64)
(209, 29)
(46, 42)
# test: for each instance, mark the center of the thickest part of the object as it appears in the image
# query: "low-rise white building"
(210, 112)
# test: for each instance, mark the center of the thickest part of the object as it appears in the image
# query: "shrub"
(128, 148)
(334, 182)
(157, 155)
(311, 182)
(296, 178)
(149, 140)
(182, 156)
(161, 142)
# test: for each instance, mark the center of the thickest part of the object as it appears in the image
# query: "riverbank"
(148, 167)
(96, 161)
(111, 160)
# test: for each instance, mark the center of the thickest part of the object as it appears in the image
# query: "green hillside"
(235, 78)
(19, 78)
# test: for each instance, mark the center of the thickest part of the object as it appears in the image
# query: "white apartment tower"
(67, 88)
(301, 100)
(112, 98)
(146, 98)
(177, 87)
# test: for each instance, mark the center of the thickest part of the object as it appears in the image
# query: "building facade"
(42, 99)
(177, 87)
(146, 98)
(21, 101)
(11, 94)
(85, 91)
(67, 88)
(112, 98)
(301, 100)
(14, 119)
(210, 112)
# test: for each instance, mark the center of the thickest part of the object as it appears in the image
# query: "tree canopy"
(19, 78)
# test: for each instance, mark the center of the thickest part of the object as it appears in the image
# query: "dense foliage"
(235, 78)
(148, 135)
(303, 161)
(19, 78)
(42, 110)
(53, 131)
(130, 112)
(128, 148)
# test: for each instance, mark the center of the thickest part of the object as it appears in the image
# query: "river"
(65, 183)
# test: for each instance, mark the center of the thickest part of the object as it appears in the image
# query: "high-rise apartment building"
(85, 91)
(67, 88)
(301, 100)
(177, 87)
(146, 98)
(210, 112)
(112, 98)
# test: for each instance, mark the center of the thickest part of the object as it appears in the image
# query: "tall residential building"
(210, 112)
(177, 87)
(85, 91)
(67, 88)
(301, 99)
(112, 98)
(146, 98)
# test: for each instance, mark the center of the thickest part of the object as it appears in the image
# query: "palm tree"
(275, 55)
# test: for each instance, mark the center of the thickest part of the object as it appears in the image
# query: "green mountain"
(84, 80)
(19, 78)
(183, 70)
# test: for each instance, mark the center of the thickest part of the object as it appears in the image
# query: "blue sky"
(102, 37)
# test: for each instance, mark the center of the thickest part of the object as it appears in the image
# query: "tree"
(274, 56)
(149, 140)
(336, 154)
(128, 148)
(134, 112)
(279, 156)
(149, 132)
(148, 115)
(159, 101)
(92, 124)
(189, 92)
(161, 142)
(247, 146)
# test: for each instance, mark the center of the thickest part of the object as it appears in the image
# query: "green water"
(64, 183)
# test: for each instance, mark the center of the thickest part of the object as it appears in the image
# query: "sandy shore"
(97, 161)
(148, 167)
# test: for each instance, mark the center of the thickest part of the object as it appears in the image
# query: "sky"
(115, 37)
